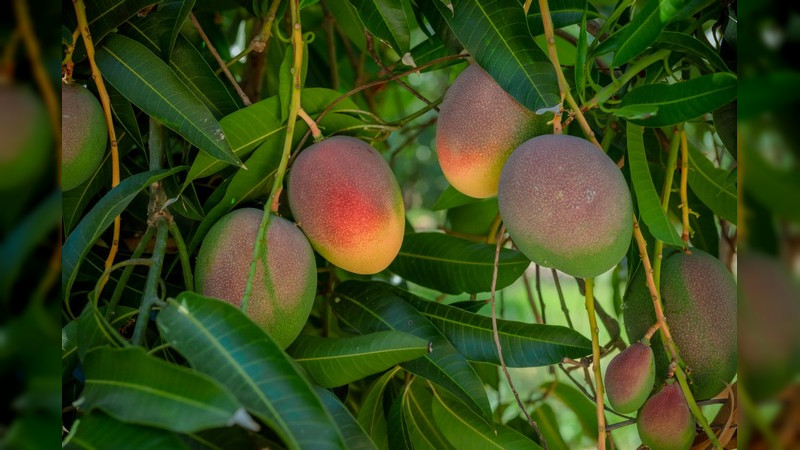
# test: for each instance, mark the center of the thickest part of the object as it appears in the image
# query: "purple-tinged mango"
(665, 422)
(84, 135)
(346, 200)
(480, 124)
(26, 136)
(630, 377)
(566, 205)
(699, 298)
(283, 291)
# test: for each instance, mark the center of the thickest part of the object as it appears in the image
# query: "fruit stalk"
(598, 376)
(259, 250)
(97, 76)
(672, 160)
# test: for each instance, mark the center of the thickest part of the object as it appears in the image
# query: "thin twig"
(83, 24)
(150, 296)
(497, 340)
(561, 298)
(403, 84)
(539, 293)
(529, 291)
(219, 59)
(598, 376)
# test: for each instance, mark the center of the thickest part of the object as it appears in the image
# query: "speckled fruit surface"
(665, 422)
(84, 135)
(346, 200)
(630, 377)
(699, 298)
(479, 126)
(283, 291)
(26, 136)
(566, 205)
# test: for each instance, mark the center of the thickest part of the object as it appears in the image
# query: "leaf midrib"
(356, 355)
(683, 99)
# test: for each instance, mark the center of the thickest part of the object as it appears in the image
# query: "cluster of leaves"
(378, 365)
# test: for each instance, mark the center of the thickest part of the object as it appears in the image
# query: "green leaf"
(726, 127)
(355, 438)
(371, 415)
(705, 235)
(645, 27)
(89, 229)
(386, 20)
(98, 431)
(171, 14)
(103, 16)
(148, 82)
(576, 402)
(123, 112)
(582, 50)
(333, 362)
(75, 201)
(249, 127)
(348, 21)
(166, 396)
(496, 34)
(452, 198)
(713, 186)
(417, 412)
(370, 307)
(524, 344)
(286, 79)
(94, 331)
(452, 265)
(563, 13)
(464, 429)
(546, 420)
(694, 49)
(636, 112)
(219, 340)
(398, 432)
(646, 197)
(682, 101)
(189, 66)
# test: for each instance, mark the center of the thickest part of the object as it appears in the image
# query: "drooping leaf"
(646, 197)
(398, 433)
(649, 21)
(123, 112)
(694, 49)
(348, 20)
(335, 362)
(464, 429)
(452, 265)
(370, 307)
(563, 13)
(576, 402)
(452, 198)
(146, 81)
(546, 420)
(219, 340)
(682, 101)
(189, 66)
(523, 344)
(95, 431)
(713, 186)
(387, 20)
(171, 14)
(371, 415)
(354, 436)
(165, 395)
(418, 414)
(496, 34)
(99, 218)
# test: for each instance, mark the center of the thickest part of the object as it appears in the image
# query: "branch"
(221, 63)
(684, 199)
(83, 24)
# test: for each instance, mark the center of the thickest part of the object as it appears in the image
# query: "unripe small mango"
(283, 291)
(346, 200)
(25, 136)
(480, 124)
(630, 377)
(566, 205)
(665, 422)
(84, 135)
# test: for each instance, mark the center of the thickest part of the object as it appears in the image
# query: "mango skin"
(566, 205)
(346, 200)
(480, 125)
(26, 136)
(665, 421)
(281, 307)
(699, 298)
(630, 377)
(84, 135)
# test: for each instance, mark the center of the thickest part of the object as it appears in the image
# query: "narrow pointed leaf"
(496, 34)
(355, 438)
(386, 20)
(523, 344)
(576, 402)
(171, 15)
(102, 16)
(649, 21)
(372, 306)
(452, 265)
(97, 431)
(95, 222)
(418, 414)
(166, 396)
(145, 80)
(546, 420)
(646, 197)
(713, 186)
(335, 362)
(694, 49)
(371, 416)
(219, 340)
(464, 429)
(123, 112)
(398, 432)
(682, 101)
(94, 331)
(452, 198)
(563, 13)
